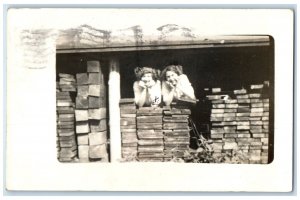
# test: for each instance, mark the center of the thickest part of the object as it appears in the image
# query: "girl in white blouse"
(175, 85)
(147, 88)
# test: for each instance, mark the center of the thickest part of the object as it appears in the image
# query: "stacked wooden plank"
(176, 132)
(259, 123)
(65, 118)
(241, 123)
(90, 114)
(150, 135)
(57, 135)
(128, 128)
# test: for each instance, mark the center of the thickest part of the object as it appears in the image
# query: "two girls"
(148, 90)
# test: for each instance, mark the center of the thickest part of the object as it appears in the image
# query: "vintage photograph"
(111, 99)
(189, 99)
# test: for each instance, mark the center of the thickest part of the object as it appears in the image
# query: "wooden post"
(114, 110)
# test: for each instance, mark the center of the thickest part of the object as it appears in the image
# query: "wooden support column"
(114, 110)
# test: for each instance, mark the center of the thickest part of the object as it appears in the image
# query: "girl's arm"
(139, 94)
(167, 93)
(155, 91)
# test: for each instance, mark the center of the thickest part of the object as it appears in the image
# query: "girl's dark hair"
(174, 68)
(139, 72)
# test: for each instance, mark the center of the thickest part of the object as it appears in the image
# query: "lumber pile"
(90, 114)
(240, 121)
(176, 131)
(128, 129)
(66, 140)
(150, 135)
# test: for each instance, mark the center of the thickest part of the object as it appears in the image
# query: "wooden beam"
(205, 42)
(114, 110)
(145, 48)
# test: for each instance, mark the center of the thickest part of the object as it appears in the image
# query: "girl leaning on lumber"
(175, 85)
(147, 87)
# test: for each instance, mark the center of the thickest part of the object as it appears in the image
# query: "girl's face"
(146, 78)
(172, 77)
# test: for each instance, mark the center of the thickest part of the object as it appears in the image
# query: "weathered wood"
(82, 79)
(149, 119)
(127, 121)
(97, 114)
(98, 125)
(98, 138)
(82, 102)
(81, 115)
(82, 90)
(83, 139)
(83, 151)
(94, 90)
(94, 102)
(154, 142)
(95, 78)
(150, 148)
(93, 66)
(97, 151)
(82, 127)
(149, 126)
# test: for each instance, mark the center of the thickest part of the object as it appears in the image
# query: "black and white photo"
(149, 99)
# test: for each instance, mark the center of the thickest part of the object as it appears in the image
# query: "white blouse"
(140, 94)
(183, 88)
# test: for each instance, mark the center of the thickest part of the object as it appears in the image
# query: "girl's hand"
(170, 85)
(142, 84)
(151, 83)
(173, 81)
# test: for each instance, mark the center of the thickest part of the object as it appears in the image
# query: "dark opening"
(227, 67)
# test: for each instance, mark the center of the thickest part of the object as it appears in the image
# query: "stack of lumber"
(150, 135)
(176, 131)
(66, 140)
(241, 122)
(128, 128)
(90, 114)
